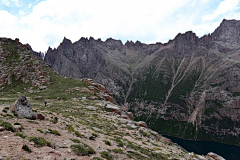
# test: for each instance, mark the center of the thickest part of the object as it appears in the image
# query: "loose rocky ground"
(105, 132)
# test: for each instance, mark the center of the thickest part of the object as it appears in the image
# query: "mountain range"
(188, 87)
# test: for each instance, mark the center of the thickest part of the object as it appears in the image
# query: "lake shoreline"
(227, 151)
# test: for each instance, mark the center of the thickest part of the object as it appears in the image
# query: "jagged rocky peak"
(226, 37)
(66, 41)
(113, 44)
(188, 36)
(228, 31)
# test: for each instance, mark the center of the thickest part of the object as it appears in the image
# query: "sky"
(44, 23)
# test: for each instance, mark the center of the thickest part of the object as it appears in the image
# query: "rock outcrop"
(19, 62)
(24, 109)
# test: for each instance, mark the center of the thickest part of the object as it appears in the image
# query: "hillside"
(188, 87)
(80, 120)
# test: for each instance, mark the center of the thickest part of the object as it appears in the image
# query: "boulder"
(92, 108)
(130, 115)
(92, 98)
(18, 127)
(40, 116)
(141, 124)
(107, 97)
(42, 87)
(114, 108)
(215, 156)
(87, 91)
(22, 108)
(38, 97)
(124, 116)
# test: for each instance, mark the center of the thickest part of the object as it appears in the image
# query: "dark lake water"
(228, 152)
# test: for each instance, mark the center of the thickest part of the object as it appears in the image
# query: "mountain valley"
(188, 87)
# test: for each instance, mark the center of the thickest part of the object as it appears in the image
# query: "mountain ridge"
(79, 121)
(189, 82)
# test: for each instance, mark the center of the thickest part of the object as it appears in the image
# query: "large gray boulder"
(24, 109)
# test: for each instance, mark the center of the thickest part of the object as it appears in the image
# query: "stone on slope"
(18, 127)
(24, 109)
(42, 87)
(40, 116)
(130, 115)
(141, 124)
(215, 156)
(114, 108)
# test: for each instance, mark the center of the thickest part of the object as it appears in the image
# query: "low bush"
(106, 155)
(8, 126)
(39, 141)
(75, 140)
(107, 142)
(25, 148)
(20, 135)
(41, 131)
(117, 150)
(83, 150)
(54, 132)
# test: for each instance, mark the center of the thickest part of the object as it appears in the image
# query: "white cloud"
(147, 21)
(29, 5)
(224, 7)
(10, 3)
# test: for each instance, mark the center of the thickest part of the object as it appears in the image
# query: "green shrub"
(18, 124)
(41, 131)
(25, 148)
(107, 142)
(54, 120)
(97, 158)
(39, 141)
(6, 108)
(144, 134)
(92, 138)
(8, 126)
(106, 155)
(78, 134)
(54, 132)
(120, 144)
(117, 150)
(74, 140)
(94, 134)
(82, 150)
(14, 113)
(34, 122)
(70, 128)
(20, 135)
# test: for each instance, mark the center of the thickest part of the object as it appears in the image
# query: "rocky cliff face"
(188, 87)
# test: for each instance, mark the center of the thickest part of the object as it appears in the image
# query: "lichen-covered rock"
(22, 108)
